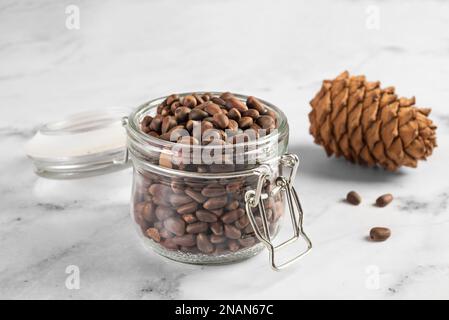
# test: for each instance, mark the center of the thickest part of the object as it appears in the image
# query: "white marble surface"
(126, 53)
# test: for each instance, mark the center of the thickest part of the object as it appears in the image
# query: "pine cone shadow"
(314, 163)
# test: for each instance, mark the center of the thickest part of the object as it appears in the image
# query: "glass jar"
(201, 203)
(209, 204)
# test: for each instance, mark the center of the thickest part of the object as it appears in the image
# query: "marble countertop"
(124, 54)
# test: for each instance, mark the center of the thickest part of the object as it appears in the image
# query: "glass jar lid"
(81, 145)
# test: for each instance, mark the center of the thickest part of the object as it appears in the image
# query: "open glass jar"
(213, 203)
(204, 202)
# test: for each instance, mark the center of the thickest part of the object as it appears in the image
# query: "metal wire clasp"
(254, 198)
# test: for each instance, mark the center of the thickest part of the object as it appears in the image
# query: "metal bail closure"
(254, 199)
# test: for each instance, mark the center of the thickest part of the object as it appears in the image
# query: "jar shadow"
(315, 163)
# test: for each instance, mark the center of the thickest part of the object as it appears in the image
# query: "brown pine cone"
(368, 125)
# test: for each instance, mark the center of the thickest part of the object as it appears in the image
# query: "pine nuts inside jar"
(195, 157)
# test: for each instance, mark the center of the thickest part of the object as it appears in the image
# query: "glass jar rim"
(133, 123)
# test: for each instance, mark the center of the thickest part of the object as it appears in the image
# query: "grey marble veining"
(127, 53)
(435, 206)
